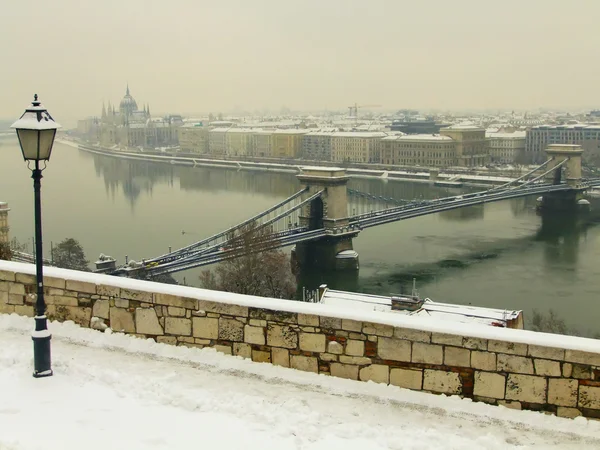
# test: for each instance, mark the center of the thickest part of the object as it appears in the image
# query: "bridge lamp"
(36, 130)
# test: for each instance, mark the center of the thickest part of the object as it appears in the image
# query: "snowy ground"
(112, 391)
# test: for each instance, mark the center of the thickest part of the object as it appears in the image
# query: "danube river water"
(497, 255)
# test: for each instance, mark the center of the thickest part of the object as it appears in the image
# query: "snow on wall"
(411, 322)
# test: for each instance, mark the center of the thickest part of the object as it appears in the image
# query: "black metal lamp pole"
(36, 131)
(42, 364)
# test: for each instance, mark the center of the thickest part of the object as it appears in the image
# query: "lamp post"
(36, 131)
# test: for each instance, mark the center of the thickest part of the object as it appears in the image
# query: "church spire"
(103, 111)
(127, 92)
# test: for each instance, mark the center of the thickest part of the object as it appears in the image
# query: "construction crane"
(354, 109)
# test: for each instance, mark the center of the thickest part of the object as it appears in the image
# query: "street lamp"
(36, 131)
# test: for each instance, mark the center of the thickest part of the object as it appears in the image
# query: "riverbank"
(447, 179)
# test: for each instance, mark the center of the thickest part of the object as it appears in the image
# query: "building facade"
(540, 137)
(431, 150)
(239, 142)
(471, 145)
(4, 209)
(506, 147)
(193, 138)
(262, 144)
(356, 147)
(132, 127)
(217, 141)
(287, 144)
(316, 145)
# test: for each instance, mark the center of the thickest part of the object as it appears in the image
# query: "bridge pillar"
(4, 209)
(329, 211)
(564, 201)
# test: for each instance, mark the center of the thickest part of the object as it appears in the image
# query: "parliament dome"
(128, 104)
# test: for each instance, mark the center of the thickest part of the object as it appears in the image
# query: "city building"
(505, 147)
(287, 143)
(357, 147)
(316, 145)
(132, 127)
(262, 144)
(4, 209)
(417, 126)
(239, 142)
(540, 137)
(471, 145)
(193, 138)
(217, 141)
(419, 150)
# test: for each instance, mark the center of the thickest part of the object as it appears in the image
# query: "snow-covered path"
(117, 392)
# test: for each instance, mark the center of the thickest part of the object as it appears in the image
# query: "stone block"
(348, 371)
(146, 322)
(378, 329)
(569, 413)
(171, 340)
(25, 278)
(231, 330)
(16, 299)
(4, 297)
(330, 323)
(562, 392)
(576, 356)
(355, 348)
(282, 336)
(511, 348)
(257, 323)
(427, 353)
(62, 300)
(308, 319)
(77, 314)
(28, 311)
(335, 347)
(174, 300)
(567, 370)
(254, 335)
(412, 335)
(16, 288)
(546, 352)
(378, 373)
(5, 275)
(261, 357)
(100, 309)
(589, 397)
(526, 388)
(140, 296)
(205, 327)
(5, 308)
(226, 349)
(177, 326)
(243, 350)
(56, 283)
(545, 367)
(310, 342)
(407, 378)
(52, 291)
(447, 339)
(352, 325)
(80, 286)
(4, 286)
(220, 308)
(174, 311)
(394, 349)
(280, 357)
(514, 364)
(272, 315)
(483, 360)
(329, 357)
(442, 381)
(510, 405)
(108, 291)
(358, 360)
(121, 320)
(305, 363)
(581, 372)
(457, 357)
(488, 384)
(475, 343)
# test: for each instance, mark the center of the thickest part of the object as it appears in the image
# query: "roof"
(464, 126)
(360, 134)
(503, 135)
(418, 137)
(573, 126)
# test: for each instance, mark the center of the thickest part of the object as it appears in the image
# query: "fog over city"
(191, 56)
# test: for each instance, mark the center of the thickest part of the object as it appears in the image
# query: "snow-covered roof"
(360, 134)
(418, 137)
(504, 135)
(464, 126)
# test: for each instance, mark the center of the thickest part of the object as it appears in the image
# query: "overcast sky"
(185, 56)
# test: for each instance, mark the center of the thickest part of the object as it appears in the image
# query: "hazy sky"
(199, 56)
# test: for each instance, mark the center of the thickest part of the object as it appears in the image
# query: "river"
(496, 255)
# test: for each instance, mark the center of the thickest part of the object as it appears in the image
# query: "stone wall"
(558, 380)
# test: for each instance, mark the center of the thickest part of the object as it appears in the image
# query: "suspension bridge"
(324, 216)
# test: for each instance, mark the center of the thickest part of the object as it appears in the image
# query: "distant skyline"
(194, 56)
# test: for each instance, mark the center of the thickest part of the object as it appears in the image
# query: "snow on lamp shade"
(36, 131)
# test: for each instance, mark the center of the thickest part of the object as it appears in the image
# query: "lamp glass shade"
(36, 144)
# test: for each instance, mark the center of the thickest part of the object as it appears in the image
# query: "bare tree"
(253, 266)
